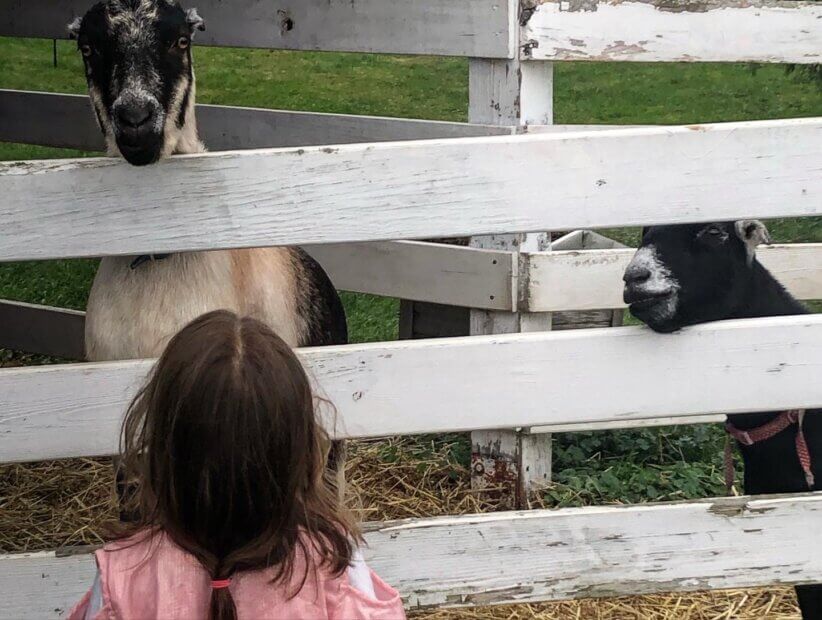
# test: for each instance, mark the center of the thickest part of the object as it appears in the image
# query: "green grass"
(589, 467)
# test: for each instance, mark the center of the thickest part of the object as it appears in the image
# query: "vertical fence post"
(509, 92)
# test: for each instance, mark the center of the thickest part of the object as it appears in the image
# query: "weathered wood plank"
(609, 426)
(679, 31)
(513, 380)
(29, 117)
(569, 241)
(445, 274)
(593, 552)
(593, 279)
(408, 190)
(515, 557)
(41, 329)
(47, 119)
(505, 92)
(435, 272)
(440, 273)
(577, 319)
(436, 27)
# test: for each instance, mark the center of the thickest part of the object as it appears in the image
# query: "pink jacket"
(154, 578)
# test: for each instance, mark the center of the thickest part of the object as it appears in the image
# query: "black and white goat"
(688, 274)
(137, 56)
(138, 65)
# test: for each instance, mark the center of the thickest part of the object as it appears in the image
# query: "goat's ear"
(752, 233)
(74, 27)
(194, 21)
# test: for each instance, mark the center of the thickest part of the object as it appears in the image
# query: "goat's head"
(691, 273)
(137, 56)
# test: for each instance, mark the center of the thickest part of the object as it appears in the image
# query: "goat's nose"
(134, 115)
(636, 274)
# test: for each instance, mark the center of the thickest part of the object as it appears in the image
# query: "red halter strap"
(765, 432)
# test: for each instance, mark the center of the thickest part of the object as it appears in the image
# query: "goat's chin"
(657, 318)
(664, 327)
(144, 154)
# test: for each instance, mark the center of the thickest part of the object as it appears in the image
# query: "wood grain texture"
(39, 329)
(408, 190)
(593, 279)
(29, 117)
(655, 31)
(435, 27)
(503, 92)
(512, 380)
(514, 557)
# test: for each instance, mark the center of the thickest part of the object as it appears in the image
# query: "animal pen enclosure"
(344, 185)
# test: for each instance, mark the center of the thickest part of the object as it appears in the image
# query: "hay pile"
(55, 503)
(62, 503)
(779, 604)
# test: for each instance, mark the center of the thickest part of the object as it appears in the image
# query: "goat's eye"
(183, 42)
(85, 50)
(713, 234)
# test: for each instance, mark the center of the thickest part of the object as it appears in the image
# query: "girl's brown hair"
(222, 452)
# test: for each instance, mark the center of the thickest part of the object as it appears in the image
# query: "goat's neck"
(765, 297)
(188, 139)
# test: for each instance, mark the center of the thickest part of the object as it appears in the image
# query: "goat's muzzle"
(138, 129)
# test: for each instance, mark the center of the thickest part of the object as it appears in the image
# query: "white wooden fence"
(359, 179)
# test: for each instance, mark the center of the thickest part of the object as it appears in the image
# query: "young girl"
(236, 517)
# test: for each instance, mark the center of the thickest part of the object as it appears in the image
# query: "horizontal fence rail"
(761, 31)
(557, 281)
(592, 279)
(480, 28)
(410, 387)
(433, 272)
(515, 557)
(28, 117)
(57, 332)
(407, 190)
(722, 31)
(408, 269)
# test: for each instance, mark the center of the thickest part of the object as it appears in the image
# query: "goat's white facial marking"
(650, 287)
(687, 274)
(74, 27)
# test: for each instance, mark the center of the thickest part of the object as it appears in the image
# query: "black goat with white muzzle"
(695, 273)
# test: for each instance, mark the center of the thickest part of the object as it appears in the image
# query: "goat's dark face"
(691, 273)
(137, 56)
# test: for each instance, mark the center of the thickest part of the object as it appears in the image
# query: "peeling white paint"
(516, 557)
(411, 190)
(675, 31)
(513, 380)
